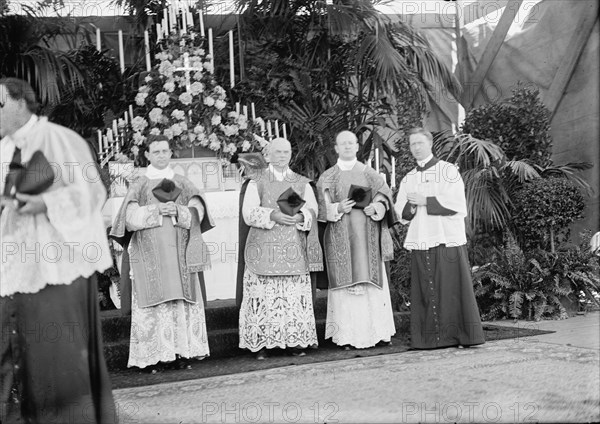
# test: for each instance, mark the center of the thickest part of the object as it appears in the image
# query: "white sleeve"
(254, 214)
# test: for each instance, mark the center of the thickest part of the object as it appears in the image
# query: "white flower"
(139, 124)
(144, 89)
(233, 114)
(208, 66)
(215, 120)
(243, 125)
(199, 52)
(138, 138)
(155, 131)
(162, 99)
(183, 125)
(148, 78)
(220, 104)
(177, 130)
(198, 129)
(169, 133)
(169, 86)
(229, 130)
(178, 114)
(191, 136)
(177, 63)
(198, 75)
(197, 63)
(166, 68)
(162, 56)
(214, 145)
(231, 147)
(220, 91)
(203, 140)
(135, 150)
(196, 88)
(140, 98)
(185, 98)
(155, 115)
(246, 146)
(209, 101)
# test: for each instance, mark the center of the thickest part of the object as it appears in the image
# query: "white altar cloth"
(221, 241)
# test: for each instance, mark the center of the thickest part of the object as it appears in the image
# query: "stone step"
(222, 327)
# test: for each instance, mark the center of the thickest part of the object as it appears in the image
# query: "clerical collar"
(155, 173)
(18, 137)
(427, 163)
(280, 176)
(346, 165)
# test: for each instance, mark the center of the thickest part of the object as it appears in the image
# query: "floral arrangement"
(179, 98)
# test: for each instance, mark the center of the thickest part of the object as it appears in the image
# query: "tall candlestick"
(106, 142)
(121, 52)
(393, 182)
(158, 33)
(262, 128)
(172, 19)
(210, 49)
(201, 23)
(269, 129)
(147, 49)
(186, 65)
(183, 22)
(253, 111)
(126, 118)
(377, 159)
(131, 112)
(237, 107)
(245, 109)
(98, 40)
(100, 146)
(276, 128)
(284, 132)
(114, 127)
(231, 60)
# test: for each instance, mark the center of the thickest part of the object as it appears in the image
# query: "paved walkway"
(546, 378)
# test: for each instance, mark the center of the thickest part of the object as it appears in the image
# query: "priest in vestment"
(52, 366)
(164, 215)
(281, 250)
(431, 200)
(357, 242)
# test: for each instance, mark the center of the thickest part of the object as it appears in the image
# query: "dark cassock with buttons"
(443, 307)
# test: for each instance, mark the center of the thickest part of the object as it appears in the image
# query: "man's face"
(159, 154)
(420, 146)
(346, 146)
(280, 154)
(10, 110)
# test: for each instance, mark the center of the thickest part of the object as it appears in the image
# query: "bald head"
(280, 153)
(346, 145)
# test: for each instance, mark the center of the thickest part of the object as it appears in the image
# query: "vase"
(194, 152)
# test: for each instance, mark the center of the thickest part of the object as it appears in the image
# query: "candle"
(100, 147)
(276, 128)
(186, 65)
(109, 135)
(245, 109)
(237, 107)
(284, 132)
(114, 127)
(269, 129)
(172, 19)
(106, 143)
(98, 40)
(190, 18)
(158, 33)
(393, 182)
(377, 159)
(131, 112)
(231, 60)
(210, 49)
(165, 23)
(201, 23)
(253, 111)
(262, 127)
(126, 118)
(121, 52)
(147, 49)
(183, 22)
(383, 176)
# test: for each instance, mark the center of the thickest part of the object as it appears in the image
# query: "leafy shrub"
(533, 286)
(521, 127)
(544, 208)
(400, 271)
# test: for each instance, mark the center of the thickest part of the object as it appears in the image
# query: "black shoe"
(261, 355)
(298, 352)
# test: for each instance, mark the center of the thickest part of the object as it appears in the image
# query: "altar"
(221, 190)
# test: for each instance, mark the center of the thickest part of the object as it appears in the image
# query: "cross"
(187, 68)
